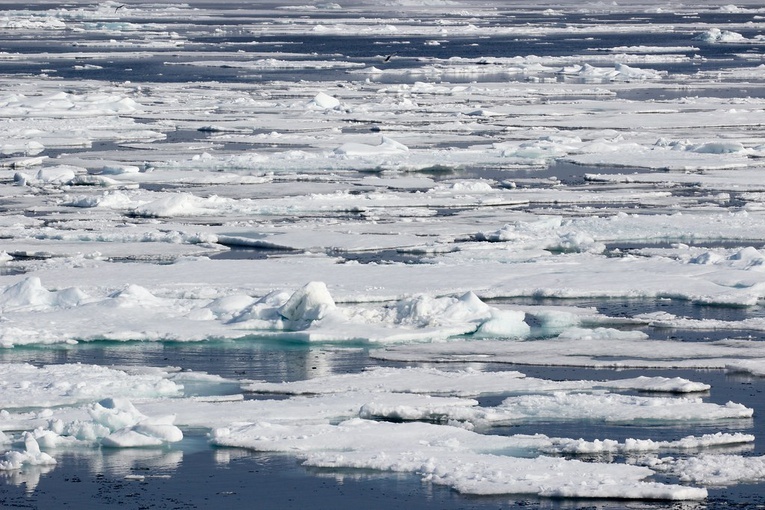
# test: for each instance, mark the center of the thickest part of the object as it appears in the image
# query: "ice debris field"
(454, 189)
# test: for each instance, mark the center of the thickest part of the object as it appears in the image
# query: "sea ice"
(450, 456)
(411, 182)
(714, 470)
(27, 386)
(31, 455)
(463, 383)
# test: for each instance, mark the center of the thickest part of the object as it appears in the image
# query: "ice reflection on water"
(257, 359)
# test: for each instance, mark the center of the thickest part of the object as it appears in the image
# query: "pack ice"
(404, 189)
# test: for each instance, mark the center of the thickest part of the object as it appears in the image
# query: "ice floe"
(463, 383)
(450, 456)
(714, 470)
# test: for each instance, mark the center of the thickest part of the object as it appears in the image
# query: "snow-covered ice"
(445, 182)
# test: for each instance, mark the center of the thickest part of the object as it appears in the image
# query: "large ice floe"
(349, 234)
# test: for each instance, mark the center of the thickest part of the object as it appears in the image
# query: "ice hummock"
(309, 312)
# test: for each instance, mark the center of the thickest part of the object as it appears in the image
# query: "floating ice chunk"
(31, 455)
(401, 380)
(554, 322)
(181, 204)
(578, 351)
(614, 408)
(147, 432)
(24, 385)
(627, 73)
(60, 174)
(715, 35)
(325, 101)
(753, 367)
(482, 112)
(660, 384)
(387, 146)
(715, 470)
(719, 147)
(504, 324)
(310, 303)
(620, 72)
(128, 438)
(26, 147)
(630, 445)
(467, 383)
(601, 334)
(63, 104)
(611, 408)
(114, 169)
(451, 456)
(130, 428)
(108, 200)
(578, 242)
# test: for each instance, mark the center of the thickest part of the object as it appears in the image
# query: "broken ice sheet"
(451, 456)
(466, 152)
(464, 383)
